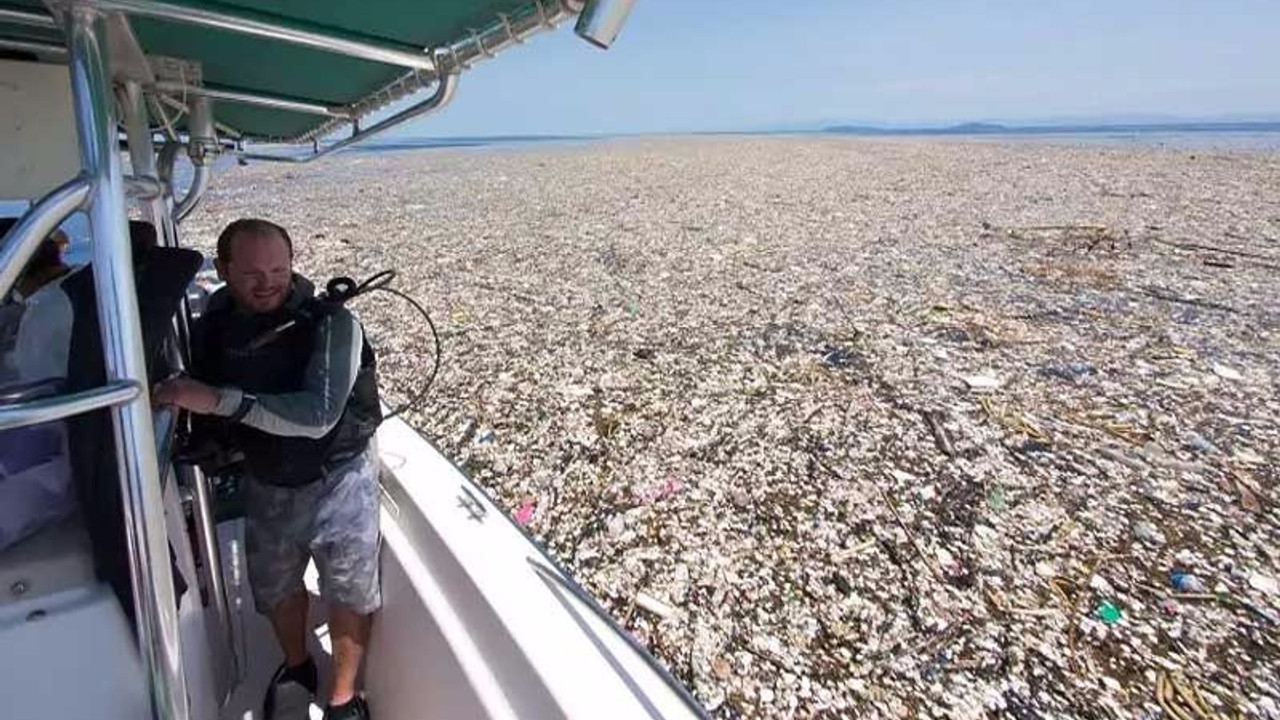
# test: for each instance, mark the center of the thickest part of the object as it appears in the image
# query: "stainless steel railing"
(163, 214)
(48, 409)
(40, 220)
(101, 190)
(139, 472)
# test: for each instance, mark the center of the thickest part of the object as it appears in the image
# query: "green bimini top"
(207, 43)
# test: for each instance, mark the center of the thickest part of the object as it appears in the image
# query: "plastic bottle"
(1187, 583)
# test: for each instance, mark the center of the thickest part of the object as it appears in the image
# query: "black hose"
(341, 289)
(412, 402)
(337, 293)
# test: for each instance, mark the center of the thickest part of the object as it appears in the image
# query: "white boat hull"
(476, 621)
(480, 623)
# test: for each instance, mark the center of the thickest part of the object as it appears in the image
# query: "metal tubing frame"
(200, 177)
(142, 156)
(183, 108)
(207, 530)
(34, 47)
(142, 188)
(151, 572)
(455, 58)
(201, 134)
(248, 98)
(179, 208)
(15, 16)
(425, 66)
(443, 93)
(34, 412)
(272, 31)
(40, 220)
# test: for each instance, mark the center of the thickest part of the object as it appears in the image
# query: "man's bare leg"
(349, 632)
(289, 620)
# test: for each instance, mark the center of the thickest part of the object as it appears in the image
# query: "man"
(294, 385)
(36, 487)
(35, 326)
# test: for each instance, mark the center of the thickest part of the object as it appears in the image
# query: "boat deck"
(259, 654)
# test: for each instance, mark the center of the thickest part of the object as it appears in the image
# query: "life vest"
(226, 355)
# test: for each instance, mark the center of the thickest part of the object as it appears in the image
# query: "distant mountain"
(987, 128)
(978, 128)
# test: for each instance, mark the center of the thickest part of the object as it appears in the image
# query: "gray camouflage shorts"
(333, 520)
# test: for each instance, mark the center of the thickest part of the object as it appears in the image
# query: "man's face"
(258, 270)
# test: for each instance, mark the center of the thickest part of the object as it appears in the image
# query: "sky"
(723, 65)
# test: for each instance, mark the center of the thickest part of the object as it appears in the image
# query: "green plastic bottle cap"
(1108, 612)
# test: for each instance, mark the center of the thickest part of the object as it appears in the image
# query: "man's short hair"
(249, 226)
(47, 255)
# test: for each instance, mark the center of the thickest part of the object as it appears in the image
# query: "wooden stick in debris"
(941, 439)
(653, 605)
(1063, 228)
(1079, 602)
(1192, 697)
(742, 643)
(884, 497)
(911, 538)
(1167, 700)
(1171, 297)
(1224, 251)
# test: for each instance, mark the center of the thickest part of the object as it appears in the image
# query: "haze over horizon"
(747, 65)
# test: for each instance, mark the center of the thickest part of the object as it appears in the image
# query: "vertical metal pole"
(202, 509)
(141, 150)
(202, 145)
(152, 576)
(142, 156)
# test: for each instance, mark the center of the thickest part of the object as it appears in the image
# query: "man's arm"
(313, 411)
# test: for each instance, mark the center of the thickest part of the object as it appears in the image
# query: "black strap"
(247, 401)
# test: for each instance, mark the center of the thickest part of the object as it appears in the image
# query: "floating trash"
(844, 312)
(524, 514)
(1108, 612)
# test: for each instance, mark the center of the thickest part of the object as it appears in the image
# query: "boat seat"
(162, 275)
(54, 559)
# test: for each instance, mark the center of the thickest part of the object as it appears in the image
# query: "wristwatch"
(247, 401)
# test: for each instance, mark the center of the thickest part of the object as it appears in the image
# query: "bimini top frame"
(109, 67)
(312, 54)
(100, 190)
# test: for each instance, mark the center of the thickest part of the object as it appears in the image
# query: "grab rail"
(25, 17)
(445, 88)
(21, 242)
(161, 212)
(142, 504)
(57, 407)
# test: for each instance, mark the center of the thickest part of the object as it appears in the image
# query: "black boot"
(291, 691)
(354, 709)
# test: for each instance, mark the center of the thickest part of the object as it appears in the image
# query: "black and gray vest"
(225, 356)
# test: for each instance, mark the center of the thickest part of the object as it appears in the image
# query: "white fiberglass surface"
(260, 655)
(544, 653)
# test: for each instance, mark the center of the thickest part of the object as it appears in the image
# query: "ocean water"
(1265, 141)
(1206, 140)
(1203, 141)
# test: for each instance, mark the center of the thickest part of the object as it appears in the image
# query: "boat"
(135, 604)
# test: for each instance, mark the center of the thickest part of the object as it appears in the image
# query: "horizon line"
(1271, 124)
